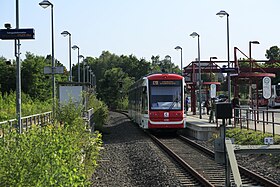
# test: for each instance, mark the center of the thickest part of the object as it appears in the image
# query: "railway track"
(198, 165)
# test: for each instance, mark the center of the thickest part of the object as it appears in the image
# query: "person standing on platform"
(187, 104)
(207, 106)
(235, 102)
(212, 111)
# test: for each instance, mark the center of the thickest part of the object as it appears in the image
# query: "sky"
(144, 28)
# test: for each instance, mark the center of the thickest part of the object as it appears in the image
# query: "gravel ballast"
(130, 158)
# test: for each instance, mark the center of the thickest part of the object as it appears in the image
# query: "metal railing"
(88, 117)
(27, 121)
(264, 120)
(43, 119)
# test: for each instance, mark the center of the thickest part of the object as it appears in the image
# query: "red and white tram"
(156, 101)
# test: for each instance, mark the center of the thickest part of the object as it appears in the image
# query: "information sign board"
(266, 87)
(268, 140)
(228, 70)
(213, 90)
(57, 70)
(12, 34)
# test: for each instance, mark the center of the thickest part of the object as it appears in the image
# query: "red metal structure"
(190, 73)
(249, 74)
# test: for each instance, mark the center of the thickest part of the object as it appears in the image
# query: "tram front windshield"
(166, 96)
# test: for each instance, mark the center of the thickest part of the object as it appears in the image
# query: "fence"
(43, 119)
(88, 117)
(263, 120)
(27, 121)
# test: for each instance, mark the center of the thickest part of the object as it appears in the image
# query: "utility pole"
(18, 75)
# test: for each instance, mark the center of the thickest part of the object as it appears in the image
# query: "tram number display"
(166, 83)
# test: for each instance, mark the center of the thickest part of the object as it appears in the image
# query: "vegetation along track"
(199, 162)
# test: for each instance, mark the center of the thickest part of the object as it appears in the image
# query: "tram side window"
(144, 100)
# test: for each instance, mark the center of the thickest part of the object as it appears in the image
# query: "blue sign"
(12, 34)
(228, 70)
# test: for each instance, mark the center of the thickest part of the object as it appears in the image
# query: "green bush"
(55, 155)
(28, 106)
(67, 113)
(122, 104)
(249, 137)
(100, 111)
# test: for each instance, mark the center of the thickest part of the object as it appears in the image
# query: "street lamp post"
(251, 69)
(169, 57)
(46, 4)
(76, 47)
(87, 73)
(194, 34)
(94, 80)
(250, 52)
(66, 33)
(84, 71)
(180, 48)
(223, 13)
(18, 73)
(89, 79)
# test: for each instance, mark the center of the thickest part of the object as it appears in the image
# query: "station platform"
(201, 129)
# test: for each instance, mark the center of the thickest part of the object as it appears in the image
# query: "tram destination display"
(166, 83)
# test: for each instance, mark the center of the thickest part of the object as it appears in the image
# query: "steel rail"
(243, 170)
(186, 166)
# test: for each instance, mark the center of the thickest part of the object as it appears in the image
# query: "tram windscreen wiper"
(176, 100)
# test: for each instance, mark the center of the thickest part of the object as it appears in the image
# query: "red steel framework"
(239, 75)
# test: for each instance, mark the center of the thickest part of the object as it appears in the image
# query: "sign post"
(17, 34)
(267, 90)
(266, 87)
(213, 90)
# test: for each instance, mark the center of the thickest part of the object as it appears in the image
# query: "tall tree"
(36, 84)
(7, 76)
(114, 85)
(273, 53)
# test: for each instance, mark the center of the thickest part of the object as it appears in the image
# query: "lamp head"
(222, 13)
(75, 47)
(65, 33)
(254, 42)
(213, 57)
(81, 56)
(178, 48)
(45, 4)
(194, 34)
(7, 25)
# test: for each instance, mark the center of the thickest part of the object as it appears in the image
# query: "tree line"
(114, 75)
